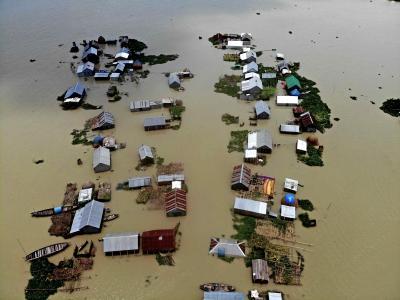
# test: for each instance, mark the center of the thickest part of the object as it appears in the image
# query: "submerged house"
(251, 86)
(155, 123)
(251, 156)
(156, 241)
(251, 75)
(234, 44)
(288, 212)
(85, 70)
(173, 81)
(146, 155)
(262, 110)
(241, 177)
(250, 67)
(301, 147)
(283, 67)
(175, 203)
(123, 54)
(137, 65)
(261, 140)
(250, 207)
(74, 95)
(101, 159)
(307, 122)
(139, 182)
(166, 179)
(293, 86)
(88, 219)
(140, 105)
(90, 54)
(287, 100)
(291, 185)
(119, 68)
(259, 271)
(104, 120)
(248, 56)
(227, 248)
(289, 128)
(102, 75)
(219, 295)
(121, 243)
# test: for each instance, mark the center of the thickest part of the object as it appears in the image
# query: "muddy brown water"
(356, 246)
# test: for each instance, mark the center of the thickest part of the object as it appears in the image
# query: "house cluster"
(252, 85)
(259, 143)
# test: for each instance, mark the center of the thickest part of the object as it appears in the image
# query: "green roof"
(292, 81)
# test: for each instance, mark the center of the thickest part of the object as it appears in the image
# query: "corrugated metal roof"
(258, 139)
(140, 105)
(250, 67)
(123, 55)
(291, 184)
(158, 240)
(288, 211)
(175, 201)
(154, 121)
(259, 268)
(85, 195)
(262, 107)
(234, 44)
(121, 242)
(223, 296)
(119, 68)
(301, 145)
(268, 75)
(274, 296)
(287, 100)
(250, 153)
(241, 174)
(289, 128)
(247, 55)
(173, 79)
(292, 81)
(145, 152)
(251, 75)
(88, 66)
(101, 156)
(228, 247)
(89, 215)
(250, 205)
(77, 89)
(247, 85)
(170, 177)
(89, 51)
(137, 182)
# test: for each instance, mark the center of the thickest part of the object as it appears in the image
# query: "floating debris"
(306, 204)
(391, 107)
(336, 119)
(39, 161)
(353, 97)
(32, 60)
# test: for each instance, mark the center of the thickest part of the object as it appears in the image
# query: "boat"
(110, 217)
(53, 211)
(215, 287)
(47, 251)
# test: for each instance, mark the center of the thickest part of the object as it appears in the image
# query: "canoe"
(47, 251)
(215, 286)
(53, 211)
(110, 217)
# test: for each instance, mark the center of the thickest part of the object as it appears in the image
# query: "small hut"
(101, 160)
(289, 128)
(166, 179)
(307, 122)
(146, 155)
(156, 241)
(91, 55)
(104, 120)
(85, 70)
(262, 110)
(250, 67)
(288, 212)
(292, 83)
(291, 185)
(121, 243)
(259, 270)
(287, 100)
(301, 147)
(88, 219)
(173, 81)
(140, 105)
(241, 177)
(175, 203)
(85, 195)
(252, 86)
(260, 140)
(248, 57)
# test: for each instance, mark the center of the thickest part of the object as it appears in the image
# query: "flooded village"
(197, 157)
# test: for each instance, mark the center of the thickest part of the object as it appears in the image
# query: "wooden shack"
(175, 203)
(259, 270)
(156, 241)
(104, 120)
(307, 122)
(241, 177)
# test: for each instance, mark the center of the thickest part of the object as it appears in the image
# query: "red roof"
(306, 119)
(158, 241)
(175, 201)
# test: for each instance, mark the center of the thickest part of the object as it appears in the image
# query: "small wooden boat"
(110, 217)
(47, 251)
(53, 211)
(216, 286)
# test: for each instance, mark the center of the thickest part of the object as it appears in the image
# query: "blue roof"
(295, 92)
(78, 89)
(289, 199)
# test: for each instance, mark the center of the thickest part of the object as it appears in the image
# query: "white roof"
(115, 75)
(234, 44)
(170, 177)
(89, 215)
(176, 184)
(250, 153)
(259, 138)
(301, 145)
(247, 85)
(85, 195)
(122, 55)
(251, 75)
(249, 205)
(274, 296)
(291, 184)
(285, 71)
(250, 67)
(72, 100)
(288, 211)
(228, 248)
(121, 242)
(290, 128)
(280, 55)
(287, 100)
(246, 49)
(248, 54)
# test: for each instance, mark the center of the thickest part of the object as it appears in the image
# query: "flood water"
(341, 45)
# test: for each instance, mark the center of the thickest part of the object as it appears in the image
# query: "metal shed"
(88, 219)
(154, 123)
(101, 160)
(103, 75)
(307, 122)
(262, 110)
(227, 248)
(155, 241)
(241, 177)
(91, 55)
(175, 203)
(146, 154)
(288, 212)
(139, 182)
(260, 140)
(275, 296)
(78, 90)
(140, 105)
(251, 75)
(164, 179)
(85, 195)
(173, 81)
(248, 56)
(287, 100)
(104, 120)
(234, 44)
(250, 207)
(252, 85)
(289, 128)
(224, 296)
(259, 270)
(86, 69)
(292, 83)
(121, 243)
(301, 146)
(250, 67)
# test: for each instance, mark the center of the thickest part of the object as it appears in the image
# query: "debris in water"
(60, 45)
(372, 102)
(79, 162)
(74, 57)
(336, 119)
(74, 48)
(257, 13)
(391, 107)
(89, 106)
(379, 87)
(290, 32)
(200, 37)
(32, 60)
(353, 97)
(39, 161)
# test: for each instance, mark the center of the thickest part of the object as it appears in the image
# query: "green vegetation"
(158, 59)
(228, 84)
(306, 204)
(237, 141)
(280, 224)
(80, 137)
(165, 260)
(306, 221)
(313, 157)
(159, 161)
(112, 91)
(226, 259)
(268, 92)
(136, 46)
(245, 227)
(256, 253)
(176, 112)
(231, 57)
(41, 286)
(144, 196)
(391, 106)
(229, 119)
(287, 266)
